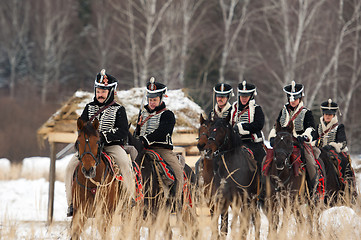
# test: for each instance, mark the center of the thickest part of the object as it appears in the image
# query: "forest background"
(49, 49)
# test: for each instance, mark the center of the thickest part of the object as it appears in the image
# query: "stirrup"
(70, 211)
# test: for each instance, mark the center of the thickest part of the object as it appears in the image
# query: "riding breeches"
(169, 156)
(125, 166)
(314, 169)
(120, 158)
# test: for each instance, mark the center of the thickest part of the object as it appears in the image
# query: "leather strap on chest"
(101, 110)
(325, 132)
(147, 118)
(295, 115)
(239, 114)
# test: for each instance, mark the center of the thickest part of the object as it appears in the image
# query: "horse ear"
(202, 120)
(278, 127)
(96, 123)
(80, 124)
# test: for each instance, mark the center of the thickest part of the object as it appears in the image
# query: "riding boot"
(70, 211)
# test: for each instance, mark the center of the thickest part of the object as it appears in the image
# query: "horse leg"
(76, 225)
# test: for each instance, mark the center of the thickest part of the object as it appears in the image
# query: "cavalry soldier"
(221, 93)
(247, 119)
(304, 125)
(155, 129)
(330, 135)
(113, 129)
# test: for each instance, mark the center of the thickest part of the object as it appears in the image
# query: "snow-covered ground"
(26, 201)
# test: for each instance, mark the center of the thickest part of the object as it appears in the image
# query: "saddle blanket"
(295, 161)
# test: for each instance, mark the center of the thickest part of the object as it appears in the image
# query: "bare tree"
(230, 19)
(14, 21)
(51, 26)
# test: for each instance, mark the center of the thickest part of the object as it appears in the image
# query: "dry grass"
(128, 223)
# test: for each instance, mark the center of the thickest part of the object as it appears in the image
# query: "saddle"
(342, 165)
(165, 171)
(118, 176)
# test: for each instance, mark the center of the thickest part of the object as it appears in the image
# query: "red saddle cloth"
(167, 172)
(137, 174)
(295, 161)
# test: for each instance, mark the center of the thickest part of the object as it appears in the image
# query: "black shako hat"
(294, 91)
(329, 107)
(246, 89)
(155, 89)
(223, 90)
(105, 81)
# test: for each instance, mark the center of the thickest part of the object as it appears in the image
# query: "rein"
(231, 173)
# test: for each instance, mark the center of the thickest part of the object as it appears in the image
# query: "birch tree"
(51, 33)
(14, 21)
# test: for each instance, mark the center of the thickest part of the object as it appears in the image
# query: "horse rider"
(331, 135)
(247, 119)
(304, 126)
(113, 129)
(155, 129)
(222, 92)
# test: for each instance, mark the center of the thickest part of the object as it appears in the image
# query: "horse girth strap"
(231, 173)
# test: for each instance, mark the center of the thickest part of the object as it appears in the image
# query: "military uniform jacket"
(302, 118)
(220, 113)
(113, 122)
(157, 127)
(250, 121)
(332, 134)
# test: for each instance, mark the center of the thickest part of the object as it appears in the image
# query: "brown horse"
(204, 166)
(285, 176)
(95, 190)
(235, 173)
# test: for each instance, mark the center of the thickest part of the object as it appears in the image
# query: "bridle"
(213, 139)
(287, 161)
(87, 143)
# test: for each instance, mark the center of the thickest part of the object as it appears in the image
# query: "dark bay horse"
(340, 177)
(235, 171)
(285, 176)
(95, 190)
(204, 166)
(155, 193)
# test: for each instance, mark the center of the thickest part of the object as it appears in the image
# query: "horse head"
(88, 146)
(203, 133)
(283, 146)
(219, 136)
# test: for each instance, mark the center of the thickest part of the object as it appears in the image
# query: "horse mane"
(288, 128)
(236, 139)
(89, 128)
